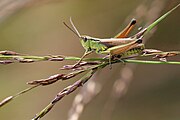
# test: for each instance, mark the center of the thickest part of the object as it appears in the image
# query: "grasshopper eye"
(85, 39)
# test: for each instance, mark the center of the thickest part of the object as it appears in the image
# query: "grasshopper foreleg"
(67, 67)
(84, 55)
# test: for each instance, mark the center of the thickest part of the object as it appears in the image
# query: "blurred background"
(35, 27)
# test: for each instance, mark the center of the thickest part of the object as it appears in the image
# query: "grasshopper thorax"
(92, 44)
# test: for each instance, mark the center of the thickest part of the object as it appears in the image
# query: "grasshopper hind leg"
(110, 58)
(118, 57)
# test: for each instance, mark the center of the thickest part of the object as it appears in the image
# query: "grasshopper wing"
(124, 33)
(116, 50)
(120, 38)
(112, 42)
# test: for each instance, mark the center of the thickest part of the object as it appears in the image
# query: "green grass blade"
(151, 26)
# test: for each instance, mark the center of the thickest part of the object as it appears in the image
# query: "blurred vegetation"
(37, 29)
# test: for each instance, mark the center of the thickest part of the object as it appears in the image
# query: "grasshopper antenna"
(71, 29)
(74, 27)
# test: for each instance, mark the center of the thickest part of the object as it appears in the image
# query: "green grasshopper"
(120, 45)
(102, 46)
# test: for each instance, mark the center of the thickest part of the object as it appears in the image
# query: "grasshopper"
(120, 45)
